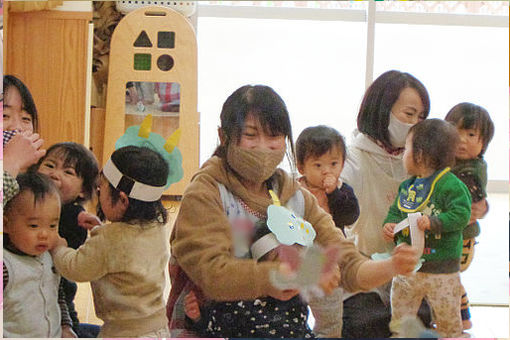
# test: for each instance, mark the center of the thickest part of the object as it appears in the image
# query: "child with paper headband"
(125, 259)
(249, 318)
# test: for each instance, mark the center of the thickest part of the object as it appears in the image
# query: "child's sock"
(465, 313)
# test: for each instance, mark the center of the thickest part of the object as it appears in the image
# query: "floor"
(486, 280)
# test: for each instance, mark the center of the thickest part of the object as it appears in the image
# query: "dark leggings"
(366, 316)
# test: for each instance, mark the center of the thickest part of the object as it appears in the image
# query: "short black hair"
(263, 103)
(145, 166)
(374, 112)
(471, 116)
(315, 141)
(39, 184)
(82, 160)
(435, 140)
(26, 97)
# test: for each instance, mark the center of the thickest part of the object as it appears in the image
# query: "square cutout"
(166, 39)
(142, 62)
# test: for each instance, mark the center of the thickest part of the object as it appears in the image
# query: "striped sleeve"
(10, 187)
(6, 275)
(64, 311)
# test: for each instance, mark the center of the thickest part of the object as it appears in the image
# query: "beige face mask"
(254, 165)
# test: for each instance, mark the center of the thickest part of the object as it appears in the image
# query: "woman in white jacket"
(374, 168)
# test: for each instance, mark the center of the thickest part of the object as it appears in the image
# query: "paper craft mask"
(288, 227)
(417, 237)
(141, 135)
(308, 265)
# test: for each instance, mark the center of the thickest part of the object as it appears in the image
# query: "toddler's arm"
(343, 205)
(87, 263)
(87, 220)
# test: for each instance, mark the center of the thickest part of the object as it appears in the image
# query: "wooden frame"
(121, 70)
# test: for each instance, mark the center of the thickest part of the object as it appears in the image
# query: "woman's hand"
(330, 281)
(388, 234)
(22, 151)
(404, 259)
(286, 294)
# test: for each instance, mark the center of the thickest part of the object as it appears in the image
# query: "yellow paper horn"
(276, 200)
(172, 141)
(145, 127)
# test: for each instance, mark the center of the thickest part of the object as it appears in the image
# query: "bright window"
(456, 64)
(321, 83)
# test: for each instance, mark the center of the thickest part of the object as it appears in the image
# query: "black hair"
(39, 184)
(26, 97)
(83, 161)
(264, 104)
(315, 141)
(260, 230)
(436, 142)
(374, 112)
(145, 166)
(472, 116)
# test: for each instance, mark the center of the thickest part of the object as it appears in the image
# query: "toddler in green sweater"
(445, 204)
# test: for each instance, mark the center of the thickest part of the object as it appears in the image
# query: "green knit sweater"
(448, 204)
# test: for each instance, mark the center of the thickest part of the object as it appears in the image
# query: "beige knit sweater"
(125, 264)
(202, 245)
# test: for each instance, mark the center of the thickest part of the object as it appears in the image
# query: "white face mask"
(398, 131)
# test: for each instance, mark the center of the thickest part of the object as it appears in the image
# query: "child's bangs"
(68, 157)
(471, 121)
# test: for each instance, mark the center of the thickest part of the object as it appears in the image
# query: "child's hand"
(404, 259)
(23, 150)
(330, 281)
(424, 223)
(67, 332)
(388, 234)
(59, 242)
(478, 210)
(87, 220)
(191, 306)
(329, 183)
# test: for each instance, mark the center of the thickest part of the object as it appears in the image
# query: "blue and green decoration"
(141, 135)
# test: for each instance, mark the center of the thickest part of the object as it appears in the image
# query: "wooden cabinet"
(49, 51)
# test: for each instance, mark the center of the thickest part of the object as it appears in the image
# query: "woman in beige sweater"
(231, 190)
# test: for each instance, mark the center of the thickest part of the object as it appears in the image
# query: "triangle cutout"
(143, 40)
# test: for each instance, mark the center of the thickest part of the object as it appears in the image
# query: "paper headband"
(264, 245)
(139, 191)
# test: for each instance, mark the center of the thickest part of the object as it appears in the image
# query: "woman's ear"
(221, 135)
